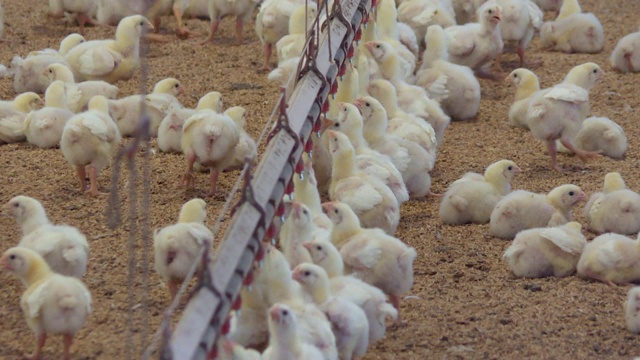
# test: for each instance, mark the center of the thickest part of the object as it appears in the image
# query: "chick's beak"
(308, 246)
(508, 79)
(182, 90)
(297, 208)
(4, 262)
(296, 275)
(370, 46)
(150, 26)
(275, 313)
(582, 196)
(517, 170)
(326, 207)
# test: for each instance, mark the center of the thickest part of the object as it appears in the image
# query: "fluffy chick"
(87, 89)
(28, 72)
(305, 191)
(110, 60)
(229, 350)
(372, 201)
(81, 8)
(88, 142)
(632, 310)
(612, 259)
(527, 84)
(615, 209)
(521, 210)
(420, 14)
(210, 139)
(53, 304)
(626, 55)
(292, 44)
(371, 255)
(547, 251)
(246, 147)
(476, 44)
(463, 101)
(272, 24)
(177, 246)
(578, 33)
(64, 248)
(602, 135)
(349, 322)
(170, 129)
(218, 9)
(473, 201)
(43, 127)
(520, 20)
(13, 114)
(284, 341)
(297, 228)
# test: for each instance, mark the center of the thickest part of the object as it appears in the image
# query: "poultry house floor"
(465, 303)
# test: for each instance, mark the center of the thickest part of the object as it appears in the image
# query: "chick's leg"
(239, 27)
(189, 177)
(553, 152)
(182, 31)
(93, 181)
(582, 154)
(68, 340)
(82, 19)
(173, 288)
(212, 32)
(395, 301)
(40, 341)
(82, 175)
(213, 178)
(268, 48)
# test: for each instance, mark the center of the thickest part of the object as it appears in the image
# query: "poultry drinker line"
(325, 59)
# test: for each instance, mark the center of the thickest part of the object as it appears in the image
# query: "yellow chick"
(527, 84)
(218, 9)
(29, 72)
(87, 89)
(81, 8)
(615, 209)
(411, 159)
(111, 12)
(568, 8)
(520, 20)
(210, 139)
(573, 31)
(229, 350)
(53, 304)
(88, 142)
(43, 127)
(305, 191)
(547, 251)
(272, 24)
(63, 247)
(371, 255)
(601, 135)
(126, 112)
(13, 114)
(348, 321)
(176, 246)
(372, 201)
(189, 8)
(297, 228)
(626, 55)
(284, 339)
(246, 147)
(110, 60)
(473, 201)
(292, 44)
(612, 259)
(419, 15)
(521, 210)
(170, 129)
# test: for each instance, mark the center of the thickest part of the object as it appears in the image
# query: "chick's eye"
(595, 71)
(490, 11)
(306, 273)
(515, 75)
(16, 205)
(319, 248)
(367, 104)
(12, 257)
(285, 312)
(377, 46)
(571, 193)
(510, 168)
(305, 212)
(335, 211)
(141, 23)
(177, 85)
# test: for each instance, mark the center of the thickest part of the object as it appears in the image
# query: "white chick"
(63, 247)
(368, 160)
(88, 142)
(372, 201)
(632, 310)
(615, 209)
(29, 72)
(476, 44)
(210, 139)
(272, 24)
(371, 299)
(292, 44)
(297, 228)
(246, 147)
(126, 112)
(170, 129)
(420, 14)
(43, 128)
(13, 114)
(349, 322)
(110, 60)
(527, 84)
(626, 55)
(189, 8)
(577, 33)
(284, 339)
(305, 190)
(284, 71)
(612, 259)
(412, 160)
(53, 304)
(112, 12)
(547, 251)
(463, 101)
(218, 9)
(87, 89)
(520, 20)
(521, 210)
(371, 255)
(177, 246)
(473, 201)
(601, 134)
(81, 8)
(229, 350)
(557, 113)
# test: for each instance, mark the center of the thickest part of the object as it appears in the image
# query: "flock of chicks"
(340, 272)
